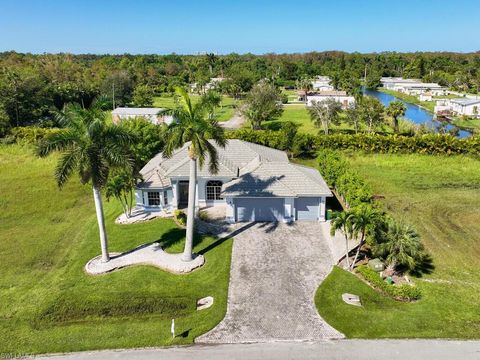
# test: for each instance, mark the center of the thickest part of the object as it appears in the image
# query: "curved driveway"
(275, 271)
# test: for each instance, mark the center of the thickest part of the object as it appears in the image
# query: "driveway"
(235, 122)
(275, 271)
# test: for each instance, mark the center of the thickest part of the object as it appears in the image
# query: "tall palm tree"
(305, 85)
(342, 220)
(92, 147)
(364, 219)
(396, 109)
(192, 125)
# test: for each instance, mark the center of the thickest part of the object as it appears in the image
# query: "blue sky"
(188, 27)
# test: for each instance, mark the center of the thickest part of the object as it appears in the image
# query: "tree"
(119, 87)
(192, 126)
(121, 186)
(305, 85)
(371, 112)
(263, 103)
(211, 100)
(396, 109)
(324, 113)
(401, 246)
(143, 96)
(93, 147)
(353, 116)
(342, 220)
(288, 133)
(211, 61)
(364, 219)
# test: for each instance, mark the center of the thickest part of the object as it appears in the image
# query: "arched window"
(214, 188)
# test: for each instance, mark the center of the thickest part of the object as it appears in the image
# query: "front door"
(183, 194)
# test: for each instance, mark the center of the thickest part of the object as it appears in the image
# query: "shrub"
(180, 216)
(31, 134)
(400, 292)
(203, 215)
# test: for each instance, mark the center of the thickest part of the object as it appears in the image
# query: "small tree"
(342, 220)
(288, 133)
(324, 113)
(395, 110)
(211, 100)
(371, 112)
(305, 85)
(263, 103)
(121, 187)
(353, 116)
(143, 96)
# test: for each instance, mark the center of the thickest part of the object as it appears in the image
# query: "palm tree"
(342, 220)
(194, 126)
(364, 219)
(396, 109)
(325, 112)
(305, 85)
(402, 246)
(92, 147)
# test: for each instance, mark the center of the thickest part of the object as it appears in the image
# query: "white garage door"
(307, 208)
(259, 209)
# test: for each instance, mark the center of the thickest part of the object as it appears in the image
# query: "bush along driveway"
(275, 271)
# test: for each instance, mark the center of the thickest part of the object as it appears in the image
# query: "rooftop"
(136, 111)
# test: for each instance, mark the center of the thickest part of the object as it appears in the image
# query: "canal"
(415, 113)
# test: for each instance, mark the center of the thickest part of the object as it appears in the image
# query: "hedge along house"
(254, 183)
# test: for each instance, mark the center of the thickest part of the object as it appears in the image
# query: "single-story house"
(322, 83)
(339, 96)
(396, 83)
(421, 88)
(461, 106)
(425, 96)
(151, 114)
(254, 183)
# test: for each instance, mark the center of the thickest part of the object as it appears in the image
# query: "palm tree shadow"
(171, 237)
(221, 240)
(424, 268)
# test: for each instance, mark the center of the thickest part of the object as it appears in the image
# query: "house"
(322, 83)
(213, 84)
(253, 183)
(151, 114)
(396, 83)
(426, 97)
(462, 106)
(421, 88)
(340, 96)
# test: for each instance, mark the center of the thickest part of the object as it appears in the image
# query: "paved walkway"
(331, 350)
(235, 122)
(275, 271)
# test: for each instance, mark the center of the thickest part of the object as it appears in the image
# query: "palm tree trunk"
(192, 187)
(97, 196)
(346, 252)
(362, 240)
(395, 124)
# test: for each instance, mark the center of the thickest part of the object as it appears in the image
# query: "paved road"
(275, 271)
(235, 122)
(331, 350)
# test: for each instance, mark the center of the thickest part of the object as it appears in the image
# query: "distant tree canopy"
(33, 87)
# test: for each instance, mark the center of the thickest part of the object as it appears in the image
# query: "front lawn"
(440, 196)
(50, 305)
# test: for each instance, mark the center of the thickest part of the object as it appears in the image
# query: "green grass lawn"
(224, 113)
(440, 196)
(470, 124)
(47, 236)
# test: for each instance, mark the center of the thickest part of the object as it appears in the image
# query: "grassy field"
(470, 124)
(440, 196)
(48, 303)
(224, 113)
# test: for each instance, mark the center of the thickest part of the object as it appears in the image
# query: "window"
(213, 190)
(165, 198)
(153, 198)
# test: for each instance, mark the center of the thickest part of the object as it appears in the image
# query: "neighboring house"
(211, 85)
(412, 86)
(254, 183)
(462, 106)
(426, 97)
(151, 114)
(340, 96)
(322, 83)
(396, 83)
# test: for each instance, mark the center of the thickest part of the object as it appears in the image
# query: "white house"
(211, 85)
(253, 183)
(322, 83)
(426, 97)
(396, 83)
(421, 88)
(462, 107)
(340, 96)
(151, 114)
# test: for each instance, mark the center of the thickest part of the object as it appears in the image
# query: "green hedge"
(400, 292)
(30, 134)
(308, 144)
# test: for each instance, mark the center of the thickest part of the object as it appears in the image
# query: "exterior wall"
(344, 100)
(141, 199)
(289, 211)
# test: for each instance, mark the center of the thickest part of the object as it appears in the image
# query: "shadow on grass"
(171, 237)
(424, 268)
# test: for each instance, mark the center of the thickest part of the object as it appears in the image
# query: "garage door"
(258, 209)
(307, 208)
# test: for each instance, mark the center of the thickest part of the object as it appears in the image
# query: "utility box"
(376, 264)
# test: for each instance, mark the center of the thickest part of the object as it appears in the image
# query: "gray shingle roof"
(466, 102)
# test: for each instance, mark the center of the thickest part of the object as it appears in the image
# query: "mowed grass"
(440, 196)
(49, 304)
(224, 113)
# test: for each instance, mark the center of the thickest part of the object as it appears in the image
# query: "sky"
(241, 26)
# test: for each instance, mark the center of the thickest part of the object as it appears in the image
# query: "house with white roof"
(151, 114)
(461, 107)
(412, 86)
(253, 183)
(339, 96)
(322, 83)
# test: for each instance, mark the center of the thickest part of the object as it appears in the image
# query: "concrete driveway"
(275, 271)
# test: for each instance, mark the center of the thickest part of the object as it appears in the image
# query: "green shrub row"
(400, 292)
(308, 144)
(69, 309)
(28, 134)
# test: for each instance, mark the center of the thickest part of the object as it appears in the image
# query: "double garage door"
(272, 209)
